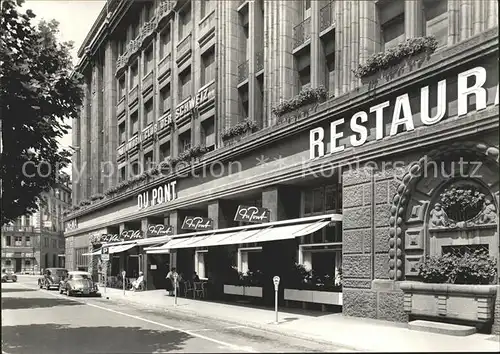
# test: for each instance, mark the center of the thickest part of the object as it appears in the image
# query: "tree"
(38, 93)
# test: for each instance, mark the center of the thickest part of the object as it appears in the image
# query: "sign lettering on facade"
(159, 230)
(108, 238)
(159, 195)
(193, 102)
(252, 214)
(355, 131)
(197, 223)
(129, 235)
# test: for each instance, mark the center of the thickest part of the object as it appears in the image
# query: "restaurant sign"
(158, 195)
(252, 214)
(197, 223)
(191, 103)
(159, 230)
(130, 235)
(108, 238)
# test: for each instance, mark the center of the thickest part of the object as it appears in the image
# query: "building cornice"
(482, 45)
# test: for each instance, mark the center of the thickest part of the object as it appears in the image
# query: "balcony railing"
(326, 18)
(19, 228)
(259, 61)
(302, 32)
(164, 9)
(148, 28)
(243, 71)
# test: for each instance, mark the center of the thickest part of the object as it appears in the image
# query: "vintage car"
(79, 283)
(52, 277)
(8, 275)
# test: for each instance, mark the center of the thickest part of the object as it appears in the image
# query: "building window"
(164, 151)
(250, 259)
(204, 8)
(243, 93)
(324, 262)
(199, 264)
(321, 200)
(148, 60)
(8, 241)
(8, 262)
(61, 243)
(135, 168)
(392, 23)
(148, 112)
(208, 66)
(123, 174)
(122, 133)
(306, 8)
(184, 22)
(436, 20)
(134, 74)
(54, 243)
(150, 10)
(184, 141)
(208, 133)
(165, 99)
(148, 161)
(121, 87)
(27, 263)
(329, 47)
(185, 84)
(28, 241)
(135, 29)
(134, 121)
(304, 69)
(18, 241)
(122, 44)
(81, 260)
(165, 42)
(46, 242)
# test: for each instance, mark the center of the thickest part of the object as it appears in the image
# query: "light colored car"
(79, 283)
(7, 275)
(52, 277)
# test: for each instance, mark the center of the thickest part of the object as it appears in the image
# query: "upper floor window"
(164, 151)
(28, 241)
(123, 174)
(134, 29)
(165, 42)
(165, 99)
(184, 22)
(204, 8)
(306, 8)
(134, 74)
(150, 10)
(148, 112)
(304, 69)
(184, 141)
(208, 66)
(436, 20)
(184, 84)
(121, 87)
(134, 121)
(243, 93)
(18, 241)
(208, 133)
(392, 23)
(320, 200)
(148, 60)
(122, 133)
(8, 241)
(148, 161)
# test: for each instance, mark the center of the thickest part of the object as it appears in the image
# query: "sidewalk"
(356, 333)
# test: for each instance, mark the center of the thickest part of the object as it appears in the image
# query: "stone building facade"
(186, 72)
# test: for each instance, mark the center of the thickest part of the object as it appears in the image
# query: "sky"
(75, 18)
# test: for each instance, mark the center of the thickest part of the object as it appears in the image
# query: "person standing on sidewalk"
(171, 281)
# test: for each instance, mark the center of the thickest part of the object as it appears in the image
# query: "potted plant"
(305, 101)
(454, 281)
(248, 284)
(308, 286)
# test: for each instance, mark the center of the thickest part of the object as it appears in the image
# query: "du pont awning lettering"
(158, 195)
(470, 90)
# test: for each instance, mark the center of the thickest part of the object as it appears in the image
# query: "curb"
(267, 328)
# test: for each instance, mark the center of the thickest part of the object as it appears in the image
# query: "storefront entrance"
(18, 265)
(158, 268)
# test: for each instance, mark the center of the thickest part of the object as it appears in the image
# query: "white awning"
(152, 241)
(92, 253)
(121, 248)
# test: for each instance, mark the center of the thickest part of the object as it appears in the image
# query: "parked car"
(79, 283)
(8, 275)
(52, 277)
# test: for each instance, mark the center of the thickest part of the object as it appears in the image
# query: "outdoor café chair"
(199, 290)
(188, 288)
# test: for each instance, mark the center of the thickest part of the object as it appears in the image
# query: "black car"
(52, 277)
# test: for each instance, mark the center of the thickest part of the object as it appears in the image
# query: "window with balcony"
(148, 60)
(392, 23)
(18, 241)
(148, 112)
(148, 161)
(184, 141)
(243, 96)
(149, 10)
(208, 133)
(28, 241)
(134, 75)
(208, 66)
(436, 20)
(165, 103)
(134, 29)
(184, 84)
(303, 60)
(164, 151)
(134, 121)
(121, 87)
(184, 22)
(165, 42)
(121, 44)
(122, 133)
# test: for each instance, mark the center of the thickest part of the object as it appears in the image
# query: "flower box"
(252, 291)
(314, 296)
(300, 113)
(472, 303)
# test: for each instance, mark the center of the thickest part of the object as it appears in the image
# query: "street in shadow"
(54, 338)
(17, 303)
(18, 290)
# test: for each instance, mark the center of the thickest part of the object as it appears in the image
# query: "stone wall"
(496, 324)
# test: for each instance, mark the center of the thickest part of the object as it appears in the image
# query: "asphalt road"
(40, 321)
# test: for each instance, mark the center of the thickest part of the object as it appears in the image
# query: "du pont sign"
(197, 223)
(157, 195)
(159, 230)
(252, 214)
(191, 103)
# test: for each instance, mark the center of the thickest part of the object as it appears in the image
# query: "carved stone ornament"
(488, 214)
(438, 217)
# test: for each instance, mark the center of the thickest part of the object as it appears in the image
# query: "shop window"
(148, 112)
(18, 241)
(208, 133)
(122, 133)
(208, 66)
(185, 84)
(392, 23)
(81, 260)
(148, 60)
(321, 200)
(165, 151)
(250, 259)
(165, 42)
(436, 20)
(134, 75)
(8, 241)
(322, 261)
(121, 87)
(28, 241)
(134, 121)
(200, 266)
(165, 99)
